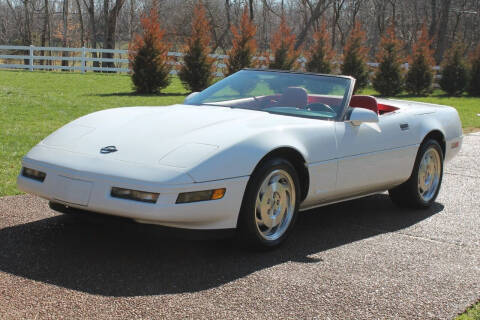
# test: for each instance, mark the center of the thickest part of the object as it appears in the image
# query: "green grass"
(472, 313)
(34, 104)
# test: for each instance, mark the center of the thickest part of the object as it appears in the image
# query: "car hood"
(202, 142)
(147, 134)
(179, 136)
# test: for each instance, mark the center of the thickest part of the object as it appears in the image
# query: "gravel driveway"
(364, 259)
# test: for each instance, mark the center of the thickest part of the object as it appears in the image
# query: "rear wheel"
(270, 204)
(421, 190)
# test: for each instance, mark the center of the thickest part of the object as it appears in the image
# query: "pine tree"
(474, 83)
(243, 44)
(197, 71)
(148, 57)
(388, 80)
(454, 72)
(283, 48)
(321, 54)
(419, 78)
(355, 57)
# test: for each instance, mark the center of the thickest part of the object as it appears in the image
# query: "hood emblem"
(108, 149)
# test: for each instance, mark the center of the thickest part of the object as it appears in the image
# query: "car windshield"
(294, 94)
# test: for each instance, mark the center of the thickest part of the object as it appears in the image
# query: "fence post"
(83, 59)
(31, 57)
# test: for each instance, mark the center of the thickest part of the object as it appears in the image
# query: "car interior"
(299, 98)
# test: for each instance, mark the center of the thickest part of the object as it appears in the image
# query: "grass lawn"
(34, 104)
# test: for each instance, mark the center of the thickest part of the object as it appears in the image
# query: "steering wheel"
(317, 105)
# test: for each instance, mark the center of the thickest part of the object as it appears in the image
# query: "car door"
(373, 156)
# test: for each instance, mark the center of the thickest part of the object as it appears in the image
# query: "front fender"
(241, 158)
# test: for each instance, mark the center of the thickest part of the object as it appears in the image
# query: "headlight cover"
(136, 195)
(205, 195)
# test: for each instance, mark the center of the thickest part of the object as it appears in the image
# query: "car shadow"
(134, 260)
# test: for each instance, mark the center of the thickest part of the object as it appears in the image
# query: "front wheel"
(421, 190)
(270, 204)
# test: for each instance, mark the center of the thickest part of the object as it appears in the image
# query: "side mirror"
(191, 95)
(361, 115)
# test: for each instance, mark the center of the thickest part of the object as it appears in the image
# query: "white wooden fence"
(82, 59)
(78, 58)
(88, 59)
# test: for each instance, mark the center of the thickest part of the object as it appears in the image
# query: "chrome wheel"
(275, 204)
(429, 174)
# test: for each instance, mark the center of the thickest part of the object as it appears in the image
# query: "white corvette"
(247, 153)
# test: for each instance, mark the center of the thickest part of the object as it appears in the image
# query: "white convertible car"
(247, 153)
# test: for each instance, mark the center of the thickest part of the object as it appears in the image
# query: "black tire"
(247, 231)
(407, 194)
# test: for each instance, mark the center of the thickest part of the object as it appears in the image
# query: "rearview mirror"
(191, 95)
(361, 115)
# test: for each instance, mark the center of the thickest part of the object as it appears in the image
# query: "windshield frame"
(345, 102)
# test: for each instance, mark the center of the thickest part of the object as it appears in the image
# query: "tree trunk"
(27, 34)
(433, 23)
(80, 20)
(92, 28)
(65, 31)
(111, 16)
(45, 30)
(132, 18)
(442, 31)
(251, 9)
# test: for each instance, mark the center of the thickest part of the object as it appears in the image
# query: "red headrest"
(366, 102)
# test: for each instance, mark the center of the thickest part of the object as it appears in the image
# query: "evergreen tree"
(243, 44)
(283, 48)
(148, 57)
(474, 83)
(321, 54)
(388, 80)
(197, 70)
(355, 58)
(419, 78)
(454, 72)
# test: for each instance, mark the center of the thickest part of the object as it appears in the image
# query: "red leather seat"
(366, 102)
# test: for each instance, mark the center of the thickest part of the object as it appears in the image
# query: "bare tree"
(320, 8)
(110, 16)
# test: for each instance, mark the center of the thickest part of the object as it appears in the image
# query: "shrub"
(243, 45)
(197, 71)
(388, 80)
(474, 83)
(355, 58)
(419, 78)
(148, 57)
(282, 46)
(321, 54)
(454, 72)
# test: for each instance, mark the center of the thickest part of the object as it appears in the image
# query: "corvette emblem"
(108, 149)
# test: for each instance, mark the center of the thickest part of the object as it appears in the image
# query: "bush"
(454, 72)
(355, 58)
(419, 78)
(321, 54)
(388, 80)
(243, 45)
(474, 83)
(197, 71)
(148, 57)
(282, 46)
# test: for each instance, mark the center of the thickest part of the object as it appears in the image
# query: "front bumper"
(91, 191)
